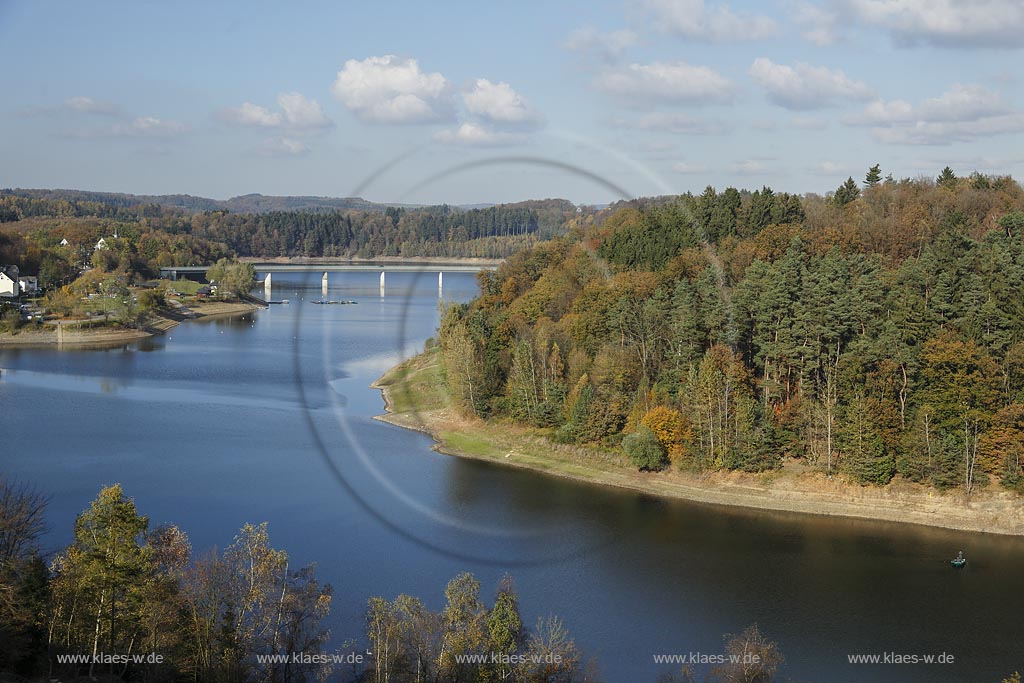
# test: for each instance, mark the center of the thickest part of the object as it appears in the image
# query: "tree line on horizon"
(151, 236)
(873, 333)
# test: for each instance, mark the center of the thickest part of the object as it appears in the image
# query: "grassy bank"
(415, 398)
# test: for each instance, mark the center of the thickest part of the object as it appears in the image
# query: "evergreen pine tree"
(947, 178)
(873, 177)
(846, 193)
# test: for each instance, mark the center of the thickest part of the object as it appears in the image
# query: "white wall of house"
(8, 287)
(28, 284)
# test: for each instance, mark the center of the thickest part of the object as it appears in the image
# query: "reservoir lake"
(269, 417)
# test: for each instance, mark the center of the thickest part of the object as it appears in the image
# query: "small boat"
(959, 560)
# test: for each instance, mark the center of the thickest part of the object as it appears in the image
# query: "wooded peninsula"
(874, 335)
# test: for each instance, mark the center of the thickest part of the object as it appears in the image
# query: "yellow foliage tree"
(671, 428)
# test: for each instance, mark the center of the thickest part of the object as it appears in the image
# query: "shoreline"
(993, 510)
(75, 336)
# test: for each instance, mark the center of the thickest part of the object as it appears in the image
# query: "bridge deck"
(342, 267)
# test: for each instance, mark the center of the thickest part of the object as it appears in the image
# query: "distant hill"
(257, 203)
(249, 203)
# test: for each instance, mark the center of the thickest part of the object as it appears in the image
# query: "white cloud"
(126, 127)
(945, 133)
(297, 113)
(474, 135)
(282, 147)
(965, 102)
(961, 114)
(804, 86)
(666, 81)
(89, 105)
(147, 126)
(686, 167)
(604, 46)
(951, 23)
(676, 123)
(302, 113)
(392, 89)
(498, 103)
(696, 20)
(819, 25)
(250, 114)
(831, 168)
(750, 167)
(884, 113)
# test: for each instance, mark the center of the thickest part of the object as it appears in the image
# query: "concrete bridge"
(174, 272)
(269, 267)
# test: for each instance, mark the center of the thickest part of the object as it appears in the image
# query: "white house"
(9, 281)
(29, 284)
(102, 244)
(64, 242)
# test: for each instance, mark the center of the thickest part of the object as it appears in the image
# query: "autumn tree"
(1001, 448)
(232, 277)
(98, 594)
(671, 429)
(752, 658)
(961, 391)
(505, 633)
(464, 628)
(23, 577)
(461, 359)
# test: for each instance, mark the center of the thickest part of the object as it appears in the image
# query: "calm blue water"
(268, 417)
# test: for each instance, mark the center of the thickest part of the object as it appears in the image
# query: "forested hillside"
(150, 235)
(877, 332)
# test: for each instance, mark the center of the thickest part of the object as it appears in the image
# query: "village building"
(29, 284)
(9, 286)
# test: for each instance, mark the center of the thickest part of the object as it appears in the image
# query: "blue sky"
(465, 102)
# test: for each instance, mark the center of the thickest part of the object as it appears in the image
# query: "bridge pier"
(323, 285)
(440, 284)
(382, 283)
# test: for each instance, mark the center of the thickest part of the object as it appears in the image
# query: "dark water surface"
(221, 422)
